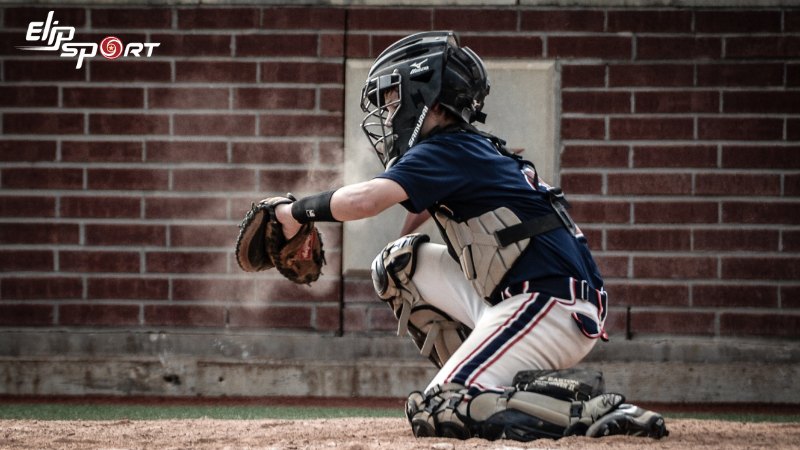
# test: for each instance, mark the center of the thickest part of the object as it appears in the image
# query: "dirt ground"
(357, 434)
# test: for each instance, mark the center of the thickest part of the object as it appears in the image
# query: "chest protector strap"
(560, 217)
(488, 245)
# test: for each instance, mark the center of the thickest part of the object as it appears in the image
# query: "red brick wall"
(123, 181)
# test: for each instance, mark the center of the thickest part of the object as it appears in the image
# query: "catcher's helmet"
(424, 68)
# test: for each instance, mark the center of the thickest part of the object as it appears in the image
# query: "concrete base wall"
(258, 364)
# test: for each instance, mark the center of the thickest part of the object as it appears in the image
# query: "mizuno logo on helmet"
(418, 67)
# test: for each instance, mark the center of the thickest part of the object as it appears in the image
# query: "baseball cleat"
(629, 420)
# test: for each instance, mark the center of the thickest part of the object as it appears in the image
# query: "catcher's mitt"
(261, 244)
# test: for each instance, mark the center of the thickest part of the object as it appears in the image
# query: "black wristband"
(314, 208)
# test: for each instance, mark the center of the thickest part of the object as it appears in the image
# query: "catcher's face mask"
(423, 69)
(381, 99)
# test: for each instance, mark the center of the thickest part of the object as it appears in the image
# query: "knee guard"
(435, 334)
(453, 412)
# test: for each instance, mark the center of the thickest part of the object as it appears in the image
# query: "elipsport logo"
(59, 38)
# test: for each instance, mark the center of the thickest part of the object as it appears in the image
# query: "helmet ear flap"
(480, 85)
(465, 84)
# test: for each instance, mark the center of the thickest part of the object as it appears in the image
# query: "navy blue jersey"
(464, 172)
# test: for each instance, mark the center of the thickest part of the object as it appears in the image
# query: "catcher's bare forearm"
(351, 202)
(367, 199)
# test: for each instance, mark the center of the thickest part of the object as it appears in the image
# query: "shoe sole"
(649, 424)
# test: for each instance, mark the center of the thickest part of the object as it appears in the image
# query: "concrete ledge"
(266, 364)
(276, 345)
(181, 377)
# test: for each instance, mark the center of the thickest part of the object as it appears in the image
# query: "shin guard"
(450, 411)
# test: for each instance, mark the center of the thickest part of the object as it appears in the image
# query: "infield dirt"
(357, 434)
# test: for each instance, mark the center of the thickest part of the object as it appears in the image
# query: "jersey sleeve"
(428, 173)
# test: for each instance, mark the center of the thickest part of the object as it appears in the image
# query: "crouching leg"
(435, 334)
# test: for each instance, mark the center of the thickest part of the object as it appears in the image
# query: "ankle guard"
(525, 416)
(564, 384)
(438, 413)
(432, 331)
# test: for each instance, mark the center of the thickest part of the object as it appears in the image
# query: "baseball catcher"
(513, 299)
(261, 244)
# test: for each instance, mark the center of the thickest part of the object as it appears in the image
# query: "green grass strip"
(142, 412)
(736, 417)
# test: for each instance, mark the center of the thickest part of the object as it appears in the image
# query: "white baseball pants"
(525, 332)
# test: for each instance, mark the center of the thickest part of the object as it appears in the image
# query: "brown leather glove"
(261, 244)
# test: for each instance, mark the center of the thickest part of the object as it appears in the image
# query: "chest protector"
(483, 260)
(487, 246)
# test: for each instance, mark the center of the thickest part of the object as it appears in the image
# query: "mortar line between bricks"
(167, 138)
(693, 89)
(171, 112)
(164, 167)
(182, 222)
(678, 170)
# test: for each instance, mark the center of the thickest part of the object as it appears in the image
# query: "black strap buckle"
(582, 290)
(454, 401)
(560, 205)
